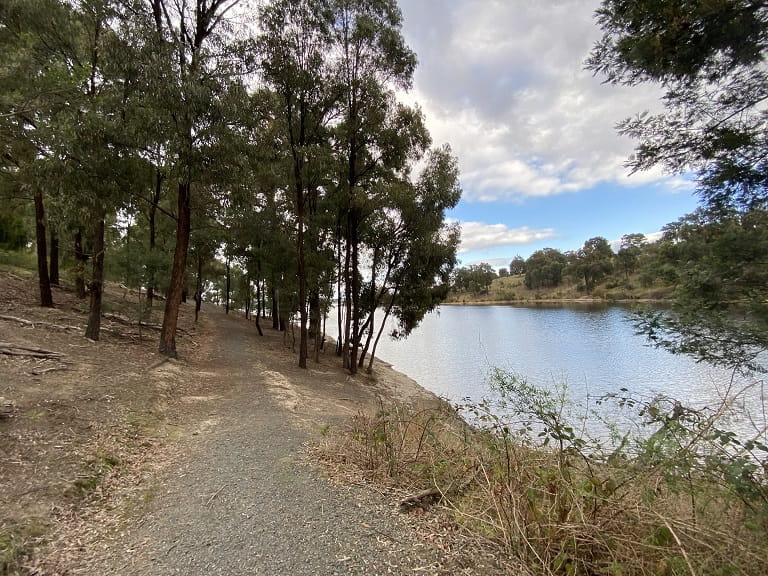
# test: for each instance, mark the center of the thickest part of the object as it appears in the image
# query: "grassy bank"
(678, 495)
(512, 289)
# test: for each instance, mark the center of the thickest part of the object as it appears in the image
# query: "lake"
(592, 348)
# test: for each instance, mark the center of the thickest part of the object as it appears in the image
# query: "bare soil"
(117, 460)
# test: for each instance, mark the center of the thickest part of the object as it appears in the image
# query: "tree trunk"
(199, 290)
(97, 281)
(258, 305)
(46, 297)
(171, 314)
(80, 260)
(275, 307)
(355, 301)
(314, 322)
(301, 271)
(381, 329)
(229, 283)
(54, 264)
(152, 273)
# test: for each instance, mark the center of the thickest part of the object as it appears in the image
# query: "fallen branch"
(18, 350)
(129, 322)
(214, 495)
(421, 499)
(46, 370)
(35, 323)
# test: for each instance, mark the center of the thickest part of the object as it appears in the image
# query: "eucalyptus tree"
(629, 252)
(370, 61)
(593, 261)
(293, 44)
(418, 252)
(38, 40)
(709, 59)
(204, 57)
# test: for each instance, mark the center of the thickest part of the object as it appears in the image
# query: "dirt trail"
(235, 497)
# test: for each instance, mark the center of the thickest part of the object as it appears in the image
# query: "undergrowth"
(676, 494)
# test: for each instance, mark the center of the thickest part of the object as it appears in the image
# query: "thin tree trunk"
(176, 288)
(152, 273)
(97, 281)
(229, 283)
(302, 272)
(54, 264)
(80, 260)
(381, 329)
(258, 304)
(46, 297)
(275, 307)
(199, 290)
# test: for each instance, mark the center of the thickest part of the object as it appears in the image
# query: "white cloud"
(477, 236)
(503, 82)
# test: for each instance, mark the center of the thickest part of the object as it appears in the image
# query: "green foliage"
(474, 279)
(720, 314)
(673, 491)
(593, 262)
(13, 232)
(544, 268)
(709, 59)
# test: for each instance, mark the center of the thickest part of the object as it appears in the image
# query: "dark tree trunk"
(54, 264)
(301, 271)
(258, 306)
(229, 283)
(80, 259)
(199, 290)
(355, 331)
(275, 307)
(176, 288)
(97, 281)
(314, 322)
(151, 279)
(46, 297)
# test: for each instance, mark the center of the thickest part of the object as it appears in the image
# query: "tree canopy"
(709, 60)
(148, 131)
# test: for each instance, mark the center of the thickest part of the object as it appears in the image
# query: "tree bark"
(301, 268)
(54, 264)
(97, 281)
(46, 297)
(199, 289)
(275, 307)
(229, 285)
(176, 288)
(258, 304)
(80, 260)
(151, 279)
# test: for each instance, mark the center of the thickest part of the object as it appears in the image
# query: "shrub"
(668, 491)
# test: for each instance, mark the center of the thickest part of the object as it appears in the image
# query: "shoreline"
(529, 302)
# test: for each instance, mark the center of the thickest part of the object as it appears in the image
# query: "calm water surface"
(591, 348)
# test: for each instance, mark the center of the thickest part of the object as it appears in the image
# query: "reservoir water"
(591, 348)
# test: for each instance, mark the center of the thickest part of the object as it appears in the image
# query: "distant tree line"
(720, 257)
(174, 147)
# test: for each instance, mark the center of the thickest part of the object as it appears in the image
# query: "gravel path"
(238, 499)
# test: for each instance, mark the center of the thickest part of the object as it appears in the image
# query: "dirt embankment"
(113, 457)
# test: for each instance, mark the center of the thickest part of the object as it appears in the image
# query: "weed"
(678, 495)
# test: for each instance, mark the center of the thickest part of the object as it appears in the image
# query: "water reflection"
(591, 348)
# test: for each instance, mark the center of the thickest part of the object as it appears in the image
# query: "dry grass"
(560, 512)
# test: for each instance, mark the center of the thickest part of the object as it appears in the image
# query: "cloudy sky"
(502, 81)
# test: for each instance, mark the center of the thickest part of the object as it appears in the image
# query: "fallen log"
(34, 323)
(11, 349)
(421, 499)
